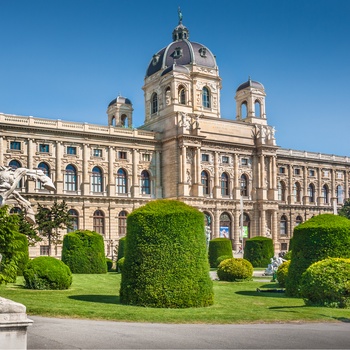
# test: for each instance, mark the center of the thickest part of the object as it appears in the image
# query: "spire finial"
(179, 14)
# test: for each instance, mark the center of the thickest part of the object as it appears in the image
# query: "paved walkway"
(54, 333)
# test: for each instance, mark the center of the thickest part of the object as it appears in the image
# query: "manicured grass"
(96, 297)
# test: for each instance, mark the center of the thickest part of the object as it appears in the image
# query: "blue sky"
(67, 59)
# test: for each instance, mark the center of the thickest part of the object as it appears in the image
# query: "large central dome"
(181, 52)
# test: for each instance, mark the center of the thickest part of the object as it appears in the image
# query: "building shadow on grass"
(93, 298)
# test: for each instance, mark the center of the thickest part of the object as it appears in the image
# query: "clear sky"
(67, 59)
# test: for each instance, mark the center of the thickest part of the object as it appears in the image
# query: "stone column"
(275, 232)
(158, 191)
(263, 223)
(31, 183)
(237, 186)
(59, 170)
(1, 151)
(135, 174)
(236, 231)
(86, 180)
(217, 193)
(111, 177)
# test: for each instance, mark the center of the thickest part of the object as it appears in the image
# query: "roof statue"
(180, 15)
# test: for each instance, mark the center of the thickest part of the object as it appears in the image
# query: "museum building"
(231, 170)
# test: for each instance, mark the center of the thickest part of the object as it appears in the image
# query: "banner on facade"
(224, 232)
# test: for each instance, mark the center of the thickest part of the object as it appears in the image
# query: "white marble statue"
(9, 179)
(273, 266)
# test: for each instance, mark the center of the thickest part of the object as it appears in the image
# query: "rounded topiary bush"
(327, 283)
(83, 252)
(109, 263)
(316, 239)
(282, 273)
(46, 272)
(219, 247)
(259, 251)
(166, 263)
(235, 270)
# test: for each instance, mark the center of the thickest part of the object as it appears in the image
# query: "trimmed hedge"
(316, 239)
(46, 272)
(83, 252)
(327, 283)
(235, 270)
(219, 247)
(166, 263)
(259, 251)
(121, 248)
(282, 273)
(109, 263)
(120, 264)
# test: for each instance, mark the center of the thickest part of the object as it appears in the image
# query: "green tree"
(27, 229)
(345, 209)
(9, 245)
(51, 220)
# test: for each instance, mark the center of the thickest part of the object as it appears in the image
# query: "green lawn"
(96, 297)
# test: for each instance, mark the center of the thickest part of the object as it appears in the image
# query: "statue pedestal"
(13, 325)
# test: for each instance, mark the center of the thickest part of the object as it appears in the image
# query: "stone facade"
(185, 150)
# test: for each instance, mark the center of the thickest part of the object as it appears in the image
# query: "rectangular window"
(122, 155)
(16, 145)
(43, 148)
(282, 170)
(339, 175)
(296, 171)
(284, 246)
(44, 250)
(97, 152)
(71, 150)
(244, 161)
(311, 172)
(205, 157)
(225, 159)
(146, 157)
(325, 173)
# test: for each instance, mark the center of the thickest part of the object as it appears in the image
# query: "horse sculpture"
(9, 179)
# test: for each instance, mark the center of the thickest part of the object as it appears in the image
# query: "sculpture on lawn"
(9, 179)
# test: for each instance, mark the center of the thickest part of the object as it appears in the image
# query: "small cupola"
(180, 32)
(120, 112)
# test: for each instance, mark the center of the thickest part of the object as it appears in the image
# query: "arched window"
(121, 181)
(205, 98)
(325, 194)
(70, 178)
(283, 225)
(96, 180)
(75, 220)
(297, 192)
(182, 95)
(46, 170)
(298, 220)
(122, 223)
(244, 185)
(311, 193)
(145, 182)
(99, 222)
(224, 185)
(205, 183)
(167, 96)
(225, 225)
(340, 194)
(124, 120)
(154, 103)
(281, 187)
(244, 110)
(14, 164)
(257, 108)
